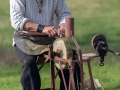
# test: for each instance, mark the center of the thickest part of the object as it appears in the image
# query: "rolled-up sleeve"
(62, 12)
(17, 14)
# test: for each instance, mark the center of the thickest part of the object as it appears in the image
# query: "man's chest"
(41, 5)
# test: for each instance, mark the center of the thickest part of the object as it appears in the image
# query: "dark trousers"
(30, 78)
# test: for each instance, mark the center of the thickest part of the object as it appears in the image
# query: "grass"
(9, 78)
(91, 17)
(108, 75)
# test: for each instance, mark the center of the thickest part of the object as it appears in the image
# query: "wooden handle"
(34, 34)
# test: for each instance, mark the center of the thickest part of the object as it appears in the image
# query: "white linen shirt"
(24, 10)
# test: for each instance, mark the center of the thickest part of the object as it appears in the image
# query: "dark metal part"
(99, 42)
(101, 49)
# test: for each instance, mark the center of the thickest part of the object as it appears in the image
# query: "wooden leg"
(53, 75)
(91, 77)
(72, 82)
(82, 75)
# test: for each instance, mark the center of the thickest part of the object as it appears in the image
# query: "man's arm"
(17, 12)
(18, 19)
(62, 12)
(20, 22)
(30, 26)
(50, 30)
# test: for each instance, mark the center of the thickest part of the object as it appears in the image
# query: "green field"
(91, 17)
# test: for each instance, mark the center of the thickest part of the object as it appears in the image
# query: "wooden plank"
(90, 55)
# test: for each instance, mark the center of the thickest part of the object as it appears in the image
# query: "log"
(63, 49)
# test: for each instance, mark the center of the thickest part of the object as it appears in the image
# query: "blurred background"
(91, 17)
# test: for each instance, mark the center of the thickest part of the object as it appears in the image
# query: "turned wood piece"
(62, 49)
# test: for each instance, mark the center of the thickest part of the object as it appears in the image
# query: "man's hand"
(61, 30)
(50, 30)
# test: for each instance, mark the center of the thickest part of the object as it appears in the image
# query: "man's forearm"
(30, 26)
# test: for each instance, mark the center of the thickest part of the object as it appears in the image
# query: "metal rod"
(69, 27)
(81, 63)
(63, 76)
(90, 73)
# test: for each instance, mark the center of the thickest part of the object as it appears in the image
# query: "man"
(36, 16)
